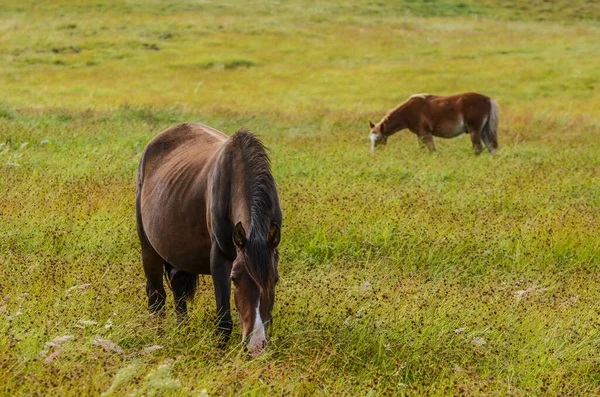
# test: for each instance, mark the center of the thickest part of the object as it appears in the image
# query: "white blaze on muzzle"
(373, 139)
(258, 337)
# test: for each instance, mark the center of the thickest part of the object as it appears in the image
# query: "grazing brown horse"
(198, 192)
(443, 116)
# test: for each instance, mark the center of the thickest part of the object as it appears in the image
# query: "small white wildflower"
(24, 145)
(478, 341)
(459, 330)
(360, 312)
(400, 368)
(88, 322)
(108, 324)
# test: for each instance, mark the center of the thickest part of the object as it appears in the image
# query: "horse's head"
(376, 135)
(254, 275)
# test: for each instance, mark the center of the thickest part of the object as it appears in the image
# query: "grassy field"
(401, 272)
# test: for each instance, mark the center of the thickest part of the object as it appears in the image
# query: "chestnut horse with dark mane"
(442, 116)
(198, 192)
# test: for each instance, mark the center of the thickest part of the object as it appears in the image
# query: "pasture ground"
(402, 272)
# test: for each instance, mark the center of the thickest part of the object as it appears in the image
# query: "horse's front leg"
(220, 269)
(426, 140)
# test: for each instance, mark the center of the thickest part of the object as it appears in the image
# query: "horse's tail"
(490, 129)
(138, 201)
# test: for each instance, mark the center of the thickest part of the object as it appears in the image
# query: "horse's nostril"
(264, 344)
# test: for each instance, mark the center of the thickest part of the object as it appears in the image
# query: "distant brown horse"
(443, 116)
(198, 192)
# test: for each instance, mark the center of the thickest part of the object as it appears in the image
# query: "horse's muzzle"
(256, 345)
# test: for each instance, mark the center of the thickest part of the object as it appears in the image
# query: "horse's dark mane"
(262, 196)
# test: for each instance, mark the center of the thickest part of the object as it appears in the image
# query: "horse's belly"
(451, 130)
(186, 251)
(190, 253)
(178, 234)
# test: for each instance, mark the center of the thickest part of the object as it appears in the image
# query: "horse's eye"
(234, 280)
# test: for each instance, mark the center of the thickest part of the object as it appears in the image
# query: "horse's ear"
(239, 235)
(371, 125)
(274, 236)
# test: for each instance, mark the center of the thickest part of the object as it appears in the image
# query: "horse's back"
(183, 147)
(474, 99)
(461, 105)
(475, 107)
(459, 100)
(185, 135)
(172, 194)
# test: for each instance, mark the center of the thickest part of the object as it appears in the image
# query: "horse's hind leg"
(184, 287)
(476, 141)
(153, 268)
(153, 264)
(475, 134)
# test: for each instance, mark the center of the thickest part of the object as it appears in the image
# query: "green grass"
(402, 272)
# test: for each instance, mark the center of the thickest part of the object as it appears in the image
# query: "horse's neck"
(251, 183)
(395, 121)
(241, 198)
(228, 190)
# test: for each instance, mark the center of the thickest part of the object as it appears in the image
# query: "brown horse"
(198, 192)
(443, 116)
